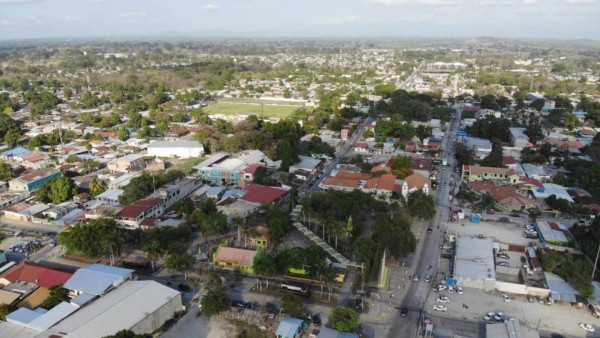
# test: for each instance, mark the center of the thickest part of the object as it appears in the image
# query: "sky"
(560, 19)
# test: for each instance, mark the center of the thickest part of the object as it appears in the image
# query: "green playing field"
(230, 108)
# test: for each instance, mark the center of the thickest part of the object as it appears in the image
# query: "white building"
(474, 263)
(181, 149)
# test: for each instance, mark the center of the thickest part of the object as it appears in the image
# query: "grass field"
(230, 108)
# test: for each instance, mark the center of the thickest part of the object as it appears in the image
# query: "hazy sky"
(328, 18)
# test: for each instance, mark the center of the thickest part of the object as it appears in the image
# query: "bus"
(295, 288)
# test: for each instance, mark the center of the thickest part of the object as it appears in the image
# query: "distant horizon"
(97, 19)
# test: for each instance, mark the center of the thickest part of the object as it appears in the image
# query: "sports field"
(231, 108)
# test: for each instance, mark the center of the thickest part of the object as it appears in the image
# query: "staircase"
(313, 237)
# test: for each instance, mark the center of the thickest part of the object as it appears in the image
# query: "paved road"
(428, 250)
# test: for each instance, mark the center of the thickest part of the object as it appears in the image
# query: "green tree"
(8, 124)
(264, 266)
(11, 138)
(420, 205)
(344, 319)
(4, 311)
(56, 190)
(57, 295)
(129, 334)
(98, 237)
(494, 158)
(96, 187)
(215, 301)
(123, 134)
(534, 131)
(6, 172)
(538, 104)
(153, 251)
(72, 159)
(292, 305)
(180, 262)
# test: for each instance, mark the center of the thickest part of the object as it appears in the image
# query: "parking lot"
(555, 318)
(512, 233)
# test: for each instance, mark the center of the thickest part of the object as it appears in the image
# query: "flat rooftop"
(474, 257)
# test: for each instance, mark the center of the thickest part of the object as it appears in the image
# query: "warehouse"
(474, 263)
(140, 306)
(181, 149)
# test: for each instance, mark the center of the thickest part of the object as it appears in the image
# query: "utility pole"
(595, 263)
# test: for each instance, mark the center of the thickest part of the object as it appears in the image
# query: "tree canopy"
(97, 238)
(56, 190)
(344, 319)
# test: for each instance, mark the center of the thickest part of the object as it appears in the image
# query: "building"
(326, 332)
(174, 192)
(34, 180)
(224, 170)
(382, 185)
(132, 215)
(550, 189)
(262, 194)
(518, 138)
(139, 306)
(507, 197)
(536, 172)
(290, 327)
(473, 173)
(481, 147)
(35, 273)
(308, 164)
(344, 134)
(412, 183)
(509, 329)
(110, 196)
(180, 149)
(127, 163)
(235, 258)
(474, 265)
(553, 232)
(96, 279)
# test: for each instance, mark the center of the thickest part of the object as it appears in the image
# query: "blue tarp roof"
(15, 151)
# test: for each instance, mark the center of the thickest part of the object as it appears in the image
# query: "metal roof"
(288, 327)
(96, 279)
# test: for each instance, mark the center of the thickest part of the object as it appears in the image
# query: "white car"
(441, 287)
(499, 316)
(450, 289)
(459, 290)
(587, 327)
(440, 308)
(443, 299)
(505, 297)
(489, 316)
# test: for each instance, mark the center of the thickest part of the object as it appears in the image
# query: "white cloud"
(4, 23)
(529, 2)
(341, 20)
(581, 2)
(210, 7)
(69, 18)
(97, 1)
(134, 15)
(242, 6)
(411, 2)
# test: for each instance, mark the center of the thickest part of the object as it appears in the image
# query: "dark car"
(238, 303)
(447, 256)
(316, 319)
(514, 214)
(504, 219)
(403, 312)
(429, 230)
(184, 287)
(523, 260)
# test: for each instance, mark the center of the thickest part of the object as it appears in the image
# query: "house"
(39, 274)
(307, 164)
(133, 214)
(262, 194)
(481, 147)
(32, 159)
(262, 238)
(550, 189)
(477, 173)
(96, 279)
(507, 197)
(235, 258)
(110, 196)
(361, 147)
(518, 138)
(127, 163)
(290, 327)
(175, 191)
(344, 134)
(382, 185)
(224, 170)
(24, 212)
(34, 180)
(340, 183)
(509, 162)
(180, 149)
(412, 183)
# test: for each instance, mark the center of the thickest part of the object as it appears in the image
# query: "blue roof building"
(289, 328)
(15, 151)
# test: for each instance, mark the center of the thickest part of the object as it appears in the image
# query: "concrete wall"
(521, 289)
(157, 318)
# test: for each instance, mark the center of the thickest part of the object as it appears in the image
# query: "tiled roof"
(417, 181)
(353, 175)
(381, 168)
(479, 170)
(341, 182)
(235, 256)
(41, 275)
(262, 194)
(507, 160)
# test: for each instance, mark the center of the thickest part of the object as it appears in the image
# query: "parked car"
(450, 289)
(523, 260)
(429, 230)
(416, 278)
(499, 316)
(490, 212)
(503, 256)
(440, 308)
(441, 287)
(514, 214)
(427, 278)
(489, 316)
(503, 264)
(530, 299)
(504, 219)
(447, 256)
(505, 297)
(587, 327)
(443, 299)
(459, 290)
(403, 312)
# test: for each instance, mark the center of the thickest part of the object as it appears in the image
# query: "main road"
(428, 249)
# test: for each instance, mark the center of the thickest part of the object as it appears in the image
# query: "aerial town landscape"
(326, 186)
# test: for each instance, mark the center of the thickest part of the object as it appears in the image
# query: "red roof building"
(262, 194)
(39, 274)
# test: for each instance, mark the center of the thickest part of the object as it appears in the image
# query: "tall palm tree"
(154, 252)
(96, 187)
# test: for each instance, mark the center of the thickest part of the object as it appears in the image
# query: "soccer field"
(230, 108)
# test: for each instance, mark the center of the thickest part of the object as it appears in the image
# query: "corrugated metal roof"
(96, 279)
(56, 314)
(288, 327)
